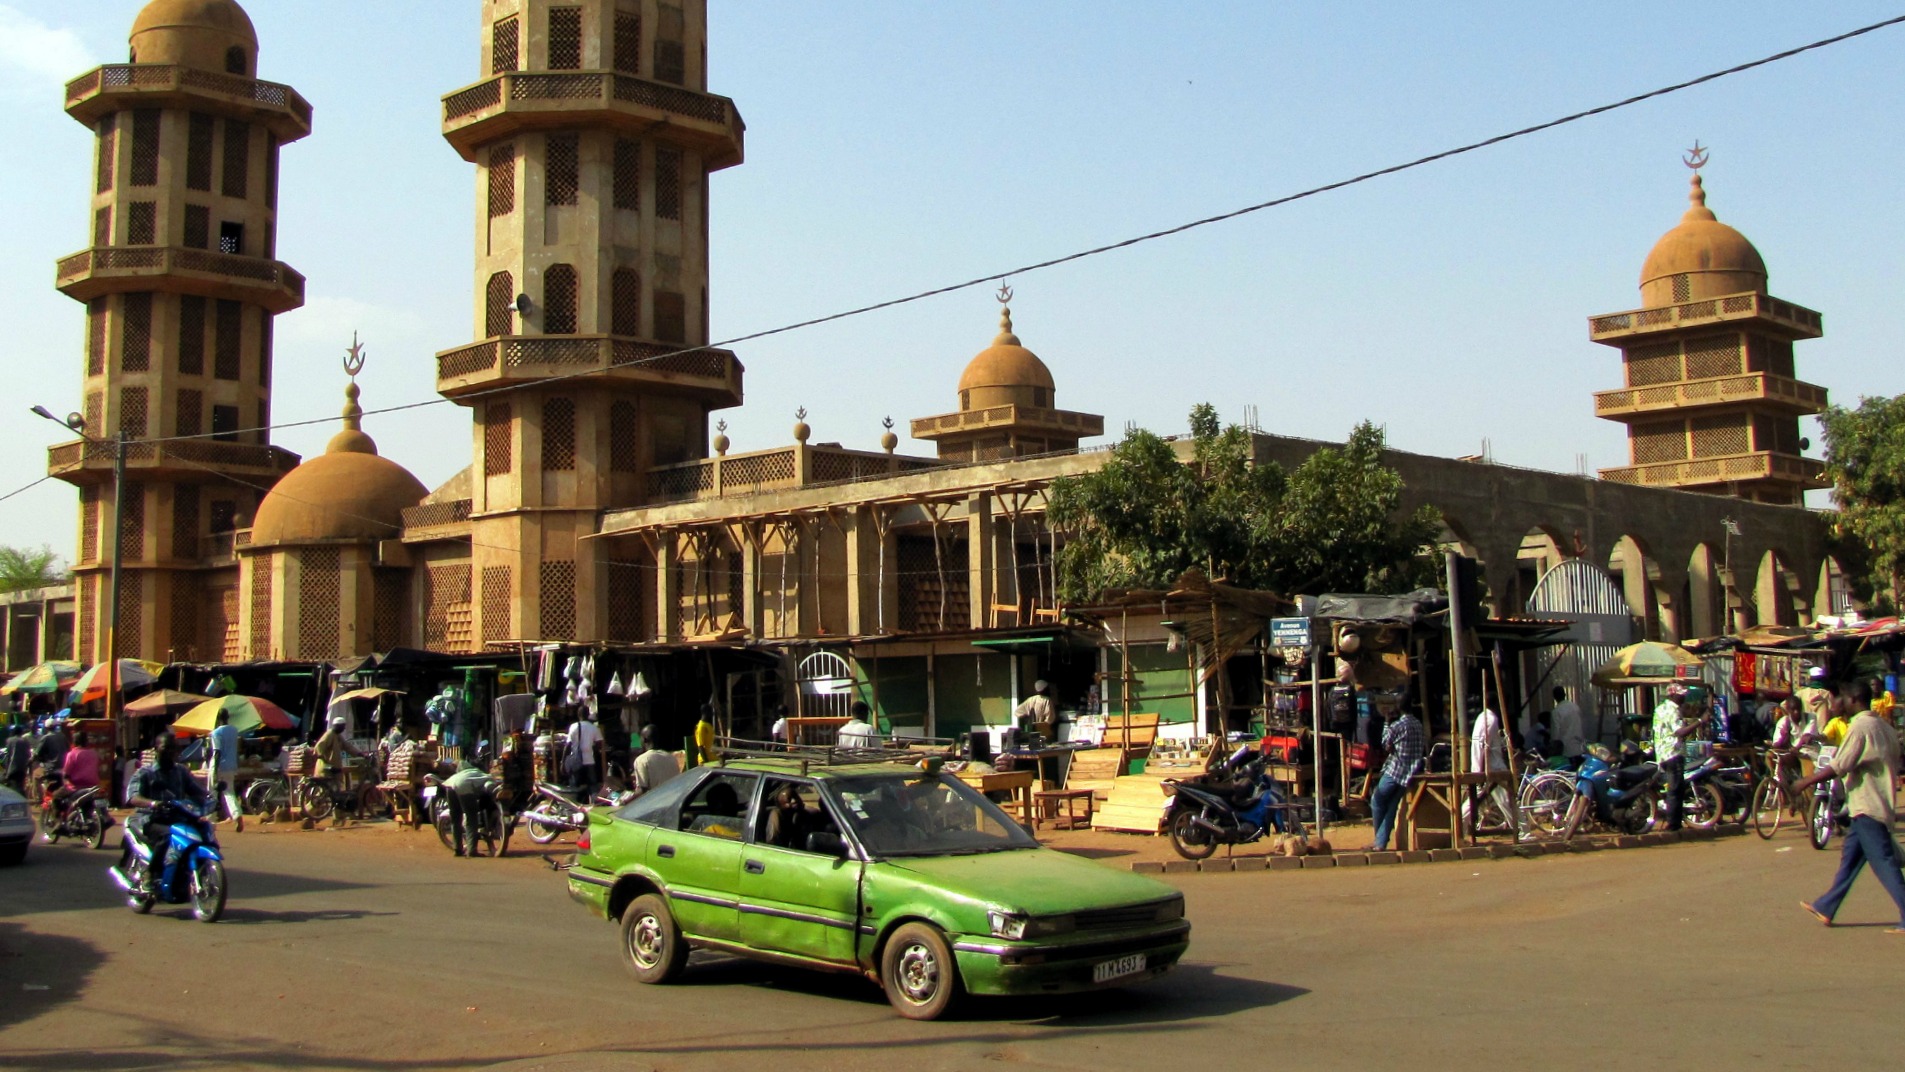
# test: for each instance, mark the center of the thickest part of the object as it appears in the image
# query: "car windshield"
(916, 815)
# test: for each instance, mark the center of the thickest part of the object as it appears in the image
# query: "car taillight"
(582, 841)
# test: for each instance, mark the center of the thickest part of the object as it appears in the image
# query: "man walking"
(224, 769)
(1868, 763)
(1402, 740)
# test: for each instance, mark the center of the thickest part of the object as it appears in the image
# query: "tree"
(23, 567)
(1150, 513)
(1865, 459)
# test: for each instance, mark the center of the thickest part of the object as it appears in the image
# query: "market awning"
(365, 694)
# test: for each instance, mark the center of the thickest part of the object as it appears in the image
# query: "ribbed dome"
(346, 494)
(195, 33)
(1005, 365)
(1715, 258)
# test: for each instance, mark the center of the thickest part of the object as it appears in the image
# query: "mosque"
(601, 508)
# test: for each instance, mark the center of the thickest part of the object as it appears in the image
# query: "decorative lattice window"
(1659, 441)
(1715, 437)
(671, 316)
(706, 318)
(1682, 288)
(95, 408)
(261, 570)
(496, 603)
(1653, 364)
(624, 437)
(558, 435)
(264, 420)
(223, 516)
(97, 339)
(142, 223)
(191, 335)
(562, 174)
(108, 152)
(1781, 362)
(188, 418)
(559, 300)
(198, 152)
(447, 608)
(222, 622)
(625, 600)
(185, 499)
(271, 178)
(88, 620)
(1713, 355)
(237, 158)
(558, 601)
(182, 626)
(499, 305)
(135, 344)
(198, 227)
(228, 348)
(628, 174)
(145, 148)
(131, 638)
(565, 38)
(134, 412)
(89, 523)
(265, 328)
(625, 302)
(505, 46)
(502, 181)
(389, 599)
(667, 184)
(318, 600)
(102, 227)
(499, 425)
(225, 423)
(628, 42)
(236, 62)
(132, 523)
(670, 62)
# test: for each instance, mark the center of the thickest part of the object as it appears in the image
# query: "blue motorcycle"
(194, 868)
(1623, 797)
(1235, 804)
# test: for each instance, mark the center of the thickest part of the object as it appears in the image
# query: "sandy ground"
(371, 948)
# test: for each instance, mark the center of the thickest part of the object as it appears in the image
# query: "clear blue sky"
(895, 146)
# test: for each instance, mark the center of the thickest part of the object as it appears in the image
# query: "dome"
(1003, 371)
(348, 493)
(1714, 258)
(214, 35)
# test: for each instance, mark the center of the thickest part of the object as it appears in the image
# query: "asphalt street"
(372, 949)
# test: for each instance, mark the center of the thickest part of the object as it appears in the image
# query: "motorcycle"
(1624, 797)
(82, 815)
(1719, 793)
(488, 827)
(1232, 805)
(194, 867)
(1826, 811)
(554, 809)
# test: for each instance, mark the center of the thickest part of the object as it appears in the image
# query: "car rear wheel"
(651, 943)
(919, 973)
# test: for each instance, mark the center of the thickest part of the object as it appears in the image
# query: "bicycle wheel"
(314, 799)
(1769, 808)
(1545, 802)
(440, 818)
(496, 830)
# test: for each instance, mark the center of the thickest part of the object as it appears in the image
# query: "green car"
(904, 875)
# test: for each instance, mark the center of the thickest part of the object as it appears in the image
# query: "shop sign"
(1289, 632)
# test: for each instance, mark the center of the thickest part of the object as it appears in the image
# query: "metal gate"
(1585, 595)
(826, 686)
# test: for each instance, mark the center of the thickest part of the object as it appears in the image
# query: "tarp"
(1410, 609)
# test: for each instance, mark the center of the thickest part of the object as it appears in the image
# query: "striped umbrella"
(92, 684)
(247, 713)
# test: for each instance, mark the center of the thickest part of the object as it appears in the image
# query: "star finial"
(1696, 157)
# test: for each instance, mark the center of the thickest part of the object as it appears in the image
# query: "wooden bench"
(1059, 807)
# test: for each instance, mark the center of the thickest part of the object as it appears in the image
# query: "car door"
(700, 859)
(793, 900)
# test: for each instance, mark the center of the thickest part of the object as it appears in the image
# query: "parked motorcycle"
(488, 827)
(1719, 793)
(82, 815)
(1623, 797)
(555, 809)
(1234, 804)
(194, 868)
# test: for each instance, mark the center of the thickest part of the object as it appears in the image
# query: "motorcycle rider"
(79, 771)
(159, 783)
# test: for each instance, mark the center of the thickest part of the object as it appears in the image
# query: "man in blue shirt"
(224, 769)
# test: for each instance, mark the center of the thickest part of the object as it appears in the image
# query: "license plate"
(1117, 969)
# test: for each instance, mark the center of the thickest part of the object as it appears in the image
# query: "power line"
(29, 487)
(1152, 236)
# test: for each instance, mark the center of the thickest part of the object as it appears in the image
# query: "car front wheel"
(651, 943)
(919, 973)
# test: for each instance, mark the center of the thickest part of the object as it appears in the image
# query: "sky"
(899, 145)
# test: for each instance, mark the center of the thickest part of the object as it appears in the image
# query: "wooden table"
(1063, 803)
(1018, 783)
(1434, 804)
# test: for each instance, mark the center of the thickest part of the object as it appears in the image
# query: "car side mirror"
(826, 844)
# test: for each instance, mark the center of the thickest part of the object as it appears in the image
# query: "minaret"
(1711, 401)
(181, 285)
(1008, 406)
(593, 137)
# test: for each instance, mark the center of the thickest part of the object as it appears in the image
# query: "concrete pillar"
(979, 559)
(667, 589)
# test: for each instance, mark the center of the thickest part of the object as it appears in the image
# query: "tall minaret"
(593, 136)
(181, 285)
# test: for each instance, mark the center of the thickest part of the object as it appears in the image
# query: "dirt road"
(371, 950)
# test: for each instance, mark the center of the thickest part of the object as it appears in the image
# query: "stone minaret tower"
(181, 285)
(593, 136)
(1711, 402)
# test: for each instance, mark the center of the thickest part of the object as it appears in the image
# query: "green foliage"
(23, 567)
(1332, 524)
(1865, 459)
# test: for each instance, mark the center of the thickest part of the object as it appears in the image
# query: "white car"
(16, 827)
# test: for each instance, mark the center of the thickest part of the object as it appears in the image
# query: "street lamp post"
(77, 424)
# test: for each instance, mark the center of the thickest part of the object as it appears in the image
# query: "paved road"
(370, 950)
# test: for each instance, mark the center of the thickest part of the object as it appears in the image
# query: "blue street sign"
(1290, 632)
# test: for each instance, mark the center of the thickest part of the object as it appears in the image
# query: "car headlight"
(1170, 910)
(1007, 925)
(1013, 926)
(12, 811)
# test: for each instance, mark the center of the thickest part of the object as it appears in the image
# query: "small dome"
(1715, 258)
(348, 493)
(214, 35)
(1006, 364)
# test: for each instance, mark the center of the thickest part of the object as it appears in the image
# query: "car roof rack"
(812, 754)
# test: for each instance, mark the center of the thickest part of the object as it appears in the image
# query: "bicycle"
(264, 796)
(1546, 796)
(1773, 798)
(318, 798)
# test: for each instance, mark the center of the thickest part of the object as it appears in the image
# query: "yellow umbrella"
(247, 713)
(1648, 663)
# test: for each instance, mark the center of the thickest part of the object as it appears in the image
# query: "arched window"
(236, 62)
(625, 314)
(559, 300)
(498, 305)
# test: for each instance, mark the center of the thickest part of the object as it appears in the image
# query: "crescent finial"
(1696, 157)
(354, 357)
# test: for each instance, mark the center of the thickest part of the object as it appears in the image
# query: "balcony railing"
(437, 515)
(108, 269)
(514, 99)
(773, 470)
(1798, 320)
(87, 461)
(107, 88)
(1697, 472)
(1082, 424)
(525, 358)
(1797, 395)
